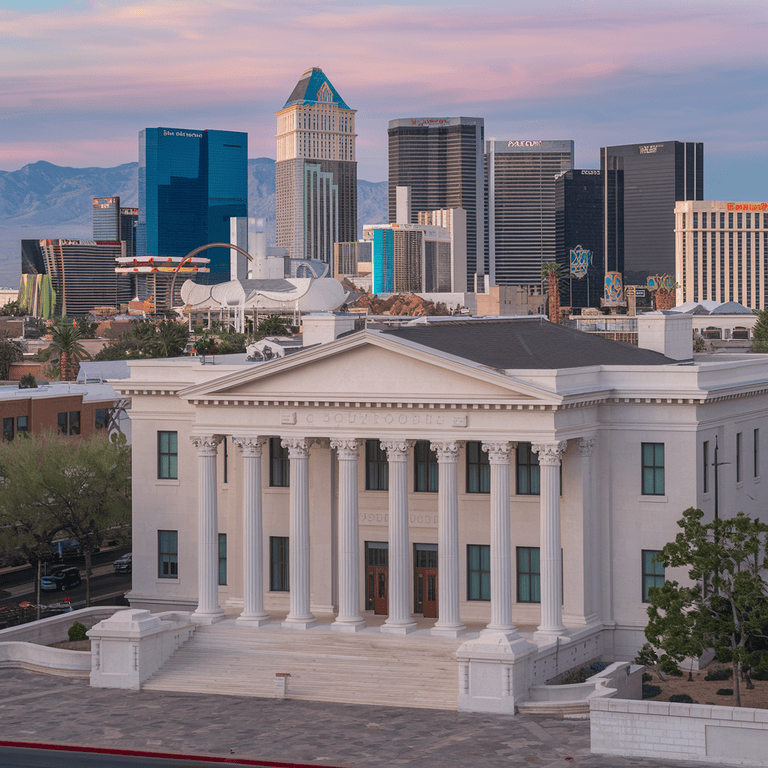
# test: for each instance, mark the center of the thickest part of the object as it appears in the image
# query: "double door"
(424, 578)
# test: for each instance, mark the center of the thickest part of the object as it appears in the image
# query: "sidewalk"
(39, 708)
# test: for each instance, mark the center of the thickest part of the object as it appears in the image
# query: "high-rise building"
(191, 183)
(114, 223)
(722, 252)
(520, 193)
(579, 237)
(639, 201)
(316, 170)
(441, 160)
(82, 273)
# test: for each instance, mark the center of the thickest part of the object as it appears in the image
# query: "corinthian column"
(207, 611)
(550, 457)
(299, 616)
(399, 620)
(253, 614)
(349, 618)
(501, 541)
(448, 620)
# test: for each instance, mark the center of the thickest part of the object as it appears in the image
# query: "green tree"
(53, 484)
(726, 605)
(87, 330)
(169, 339)
(274, 325)
(28, 381)
(145, 340)
(12, 309)
(9, 353)
(760, 332)
(66, 341)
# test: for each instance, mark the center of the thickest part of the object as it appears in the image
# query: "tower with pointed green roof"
(316, 170)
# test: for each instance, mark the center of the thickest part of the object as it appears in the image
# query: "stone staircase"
(362, 668)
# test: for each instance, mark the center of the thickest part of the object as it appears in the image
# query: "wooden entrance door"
(425, 580)
(377, 577)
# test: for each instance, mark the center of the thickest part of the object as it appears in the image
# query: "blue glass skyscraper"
(190, 183)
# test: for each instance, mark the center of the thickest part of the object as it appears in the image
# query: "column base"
(207, 617)
(290, 623)
(448, 630)
(548, 636)
(399, 629)
(510, 633)
(253, 620)
(348, 626)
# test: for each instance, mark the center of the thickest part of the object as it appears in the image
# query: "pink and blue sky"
(80, 78)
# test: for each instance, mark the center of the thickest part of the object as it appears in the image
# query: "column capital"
(206, 444)
(447, 450)
(298, 447)
(347, 448)
(397, 450)
(550, 454)
(586, 446)
(250, 446)
(498, 453)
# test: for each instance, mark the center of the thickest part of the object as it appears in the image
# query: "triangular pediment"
(370, 367)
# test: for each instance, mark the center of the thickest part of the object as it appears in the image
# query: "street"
(18, 585)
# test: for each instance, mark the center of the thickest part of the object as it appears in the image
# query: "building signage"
(430, 121)
(649, 149)
(188, 134)
(747, 206)
(524, 143)
(581, 261)
(590, 173)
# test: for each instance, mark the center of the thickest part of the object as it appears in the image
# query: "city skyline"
(600, 74)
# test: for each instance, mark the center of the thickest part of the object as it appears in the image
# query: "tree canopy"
(726, 605)
(145, 339)
(760, 332)
(53, 485)
(66, 341)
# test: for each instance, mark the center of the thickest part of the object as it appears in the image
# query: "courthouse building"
(509, 477)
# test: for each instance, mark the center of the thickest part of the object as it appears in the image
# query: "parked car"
(123, 564)
(65, 578)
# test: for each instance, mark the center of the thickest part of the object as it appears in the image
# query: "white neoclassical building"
(507, 481)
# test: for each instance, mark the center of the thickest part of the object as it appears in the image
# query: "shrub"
(27, 381)
(681, 698)
(650, 691)
(721, 673)
(647, 678)
(674, 671)
(724, 691)
(77, 632)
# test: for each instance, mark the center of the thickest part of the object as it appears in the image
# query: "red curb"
(159, 755)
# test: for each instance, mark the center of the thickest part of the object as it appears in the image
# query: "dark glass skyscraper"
(441, 160)
(520, 191)
(640, 211)
(190, 184)
(579, 228)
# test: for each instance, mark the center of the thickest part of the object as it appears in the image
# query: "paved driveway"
(39, 708)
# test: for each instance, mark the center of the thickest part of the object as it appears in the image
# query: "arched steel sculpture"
(194, 253)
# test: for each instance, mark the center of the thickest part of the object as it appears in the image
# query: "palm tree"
(170, 339)
(551, 271)
(66, 341)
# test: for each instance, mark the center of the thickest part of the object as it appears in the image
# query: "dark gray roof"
(525, 344)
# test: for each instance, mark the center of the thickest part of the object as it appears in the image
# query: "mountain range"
(42, 200)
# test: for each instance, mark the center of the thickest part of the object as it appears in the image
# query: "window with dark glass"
(22, 424)
(425, 467)
(222, 559)
(653, 469)
(528, 472)
(101, 418)
(63, 423)
(478, 469)
(168, 554)
(279, 464)
(376, 467)
(756, 453)
(705, 466)
(278, 564)
(653, 572)
(167, 456)
(528, 575)
(478, 572)
(225, 457)
(8, 429)
(74, 422)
